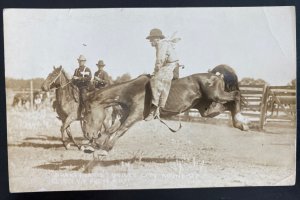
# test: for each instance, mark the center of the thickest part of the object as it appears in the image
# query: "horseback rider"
(82, 79)
(101, 77)
(166, 62)
(165, 70)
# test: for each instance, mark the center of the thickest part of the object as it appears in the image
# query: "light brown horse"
(196, 91)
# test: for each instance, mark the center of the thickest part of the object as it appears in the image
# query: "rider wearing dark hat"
(101, 77)
(166, 62)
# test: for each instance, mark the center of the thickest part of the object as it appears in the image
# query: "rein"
(63, 85)
(59, 76)
(171, 129)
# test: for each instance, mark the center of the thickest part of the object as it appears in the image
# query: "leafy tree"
(252, 81)
(293, 82)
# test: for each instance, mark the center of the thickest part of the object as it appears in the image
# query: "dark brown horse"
(196, 91)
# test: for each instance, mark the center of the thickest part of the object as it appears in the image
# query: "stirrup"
(154, 114)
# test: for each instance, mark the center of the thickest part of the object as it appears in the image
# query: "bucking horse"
(196, 91)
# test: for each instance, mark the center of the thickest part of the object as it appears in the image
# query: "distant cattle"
(21, 100)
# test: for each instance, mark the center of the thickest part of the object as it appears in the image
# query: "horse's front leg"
(63, 139)
(238, 120)
(113, 137)
(64, 127)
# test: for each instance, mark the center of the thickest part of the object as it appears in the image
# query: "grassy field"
(147, 156)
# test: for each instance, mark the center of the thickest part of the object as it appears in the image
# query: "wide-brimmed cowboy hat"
(100, 63)
(155, 33)
(81, 58)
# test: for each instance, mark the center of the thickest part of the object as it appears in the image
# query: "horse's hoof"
(67, 145)
(81, 148)
(245, 127)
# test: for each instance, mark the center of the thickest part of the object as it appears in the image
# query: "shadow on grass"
(41, 142)
(37, 145)
(86, 166)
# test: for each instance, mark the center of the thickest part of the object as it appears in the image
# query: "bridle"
(59, 76)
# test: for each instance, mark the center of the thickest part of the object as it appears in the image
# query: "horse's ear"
(60, 67)
(53, 66)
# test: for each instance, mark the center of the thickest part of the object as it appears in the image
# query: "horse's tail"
(230, 79)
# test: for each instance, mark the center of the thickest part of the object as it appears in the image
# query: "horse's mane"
(94, 95)
(66, 74)
(72, 89)
(129, 81)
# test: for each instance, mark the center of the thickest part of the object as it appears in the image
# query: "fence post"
(31, 95)
(263, 107)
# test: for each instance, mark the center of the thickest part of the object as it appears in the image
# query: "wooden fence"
(261, 103)
(30, 91)
(281, 99)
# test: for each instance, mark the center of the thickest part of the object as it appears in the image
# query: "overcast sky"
(257, 42)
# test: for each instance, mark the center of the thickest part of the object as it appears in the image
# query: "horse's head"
(94, 116)
(53, 79)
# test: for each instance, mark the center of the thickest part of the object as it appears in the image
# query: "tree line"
(252, 81)
(24, 84)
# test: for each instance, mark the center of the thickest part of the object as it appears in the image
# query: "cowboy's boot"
(153, 113)
(214, 109)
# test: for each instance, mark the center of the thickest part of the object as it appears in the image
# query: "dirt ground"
(148, 156)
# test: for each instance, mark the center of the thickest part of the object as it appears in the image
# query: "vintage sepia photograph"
(144, 98)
